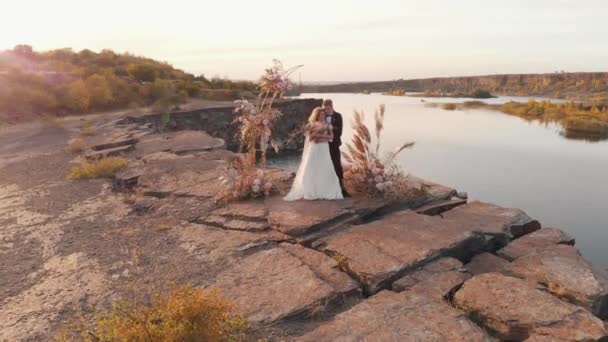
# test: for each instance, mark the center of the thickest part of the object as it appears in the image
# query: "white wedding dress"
(316, 178)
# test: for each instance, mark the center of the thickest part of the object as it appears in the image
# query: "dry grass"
(76, 146)
(102, 168)
(183, 314)
(87, 123)
(163, 227)
(88, 132)
(50, 121)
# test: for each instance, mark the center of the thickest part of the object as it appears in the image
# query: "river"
(496, 158)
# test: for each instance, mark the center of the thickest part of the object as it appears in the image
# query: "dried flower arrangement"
(256, 120)
(241, 178)
(367, 173)
(241, 181)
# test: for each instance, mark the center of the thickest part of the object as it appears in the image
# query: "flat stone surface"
(516, 309)
(302, 217)
(283, 282)
(381, 251)
(222, 248)
(568, 275)
(486, 263)
(493, 220)
(181, 176)
(405, 316)
(535, 242)
(179, 142)
(438, 277)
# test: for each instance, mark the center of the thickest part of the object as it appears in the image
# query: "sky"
(340, 40)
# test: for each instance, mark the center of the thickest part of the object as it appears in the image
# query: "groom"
(335, 119)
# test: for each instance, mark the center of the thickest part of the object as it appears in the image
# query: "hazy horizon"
(340, 41)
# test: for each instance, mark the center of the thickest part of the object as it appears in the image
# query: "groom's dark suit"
(334, 147)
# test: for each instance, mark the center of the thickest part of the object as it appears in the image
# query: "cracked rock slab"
(535, 242)
(493, 220)
(405, 316)
(515, 309)
(283, 282)
(487, 263)
(379, 252)
(439, 277)
(568, 275)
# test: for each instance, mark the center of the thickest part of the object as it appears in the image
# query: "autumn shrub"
(76, 146)
(449, 106)
(183, 314)
(101, 168)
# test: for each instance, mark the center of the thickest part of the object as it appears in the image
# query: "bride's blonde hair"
(314, 116)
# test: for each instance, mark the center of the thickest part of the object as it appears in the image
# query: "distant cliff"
(578, 86)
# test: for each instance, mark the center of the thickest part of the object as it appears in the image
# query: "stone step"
(492, 220)
(515, 309)
(537, 241)
(114, 144)
(109, 152)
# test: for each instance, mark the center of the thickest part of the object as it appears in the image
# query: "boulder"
(534, 242)
(405, 316)
(439, 277)
(284, 282)
(379, 252)
(486, 263)
(515, 309)
(492, 220)
(567, 275)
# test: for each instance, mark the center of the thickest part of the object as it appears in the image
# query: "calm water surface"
(496, 158)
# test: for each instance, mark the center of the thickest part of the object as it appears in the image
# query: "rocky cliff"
(218, 122)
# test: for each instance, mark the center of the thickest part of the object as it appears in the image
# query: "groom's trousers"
(336, 159)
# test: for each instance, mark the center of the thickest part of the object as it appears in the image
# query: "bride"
(316, 177)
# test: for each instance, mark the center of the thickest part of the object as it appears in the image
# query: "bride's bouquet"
(318, 129)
